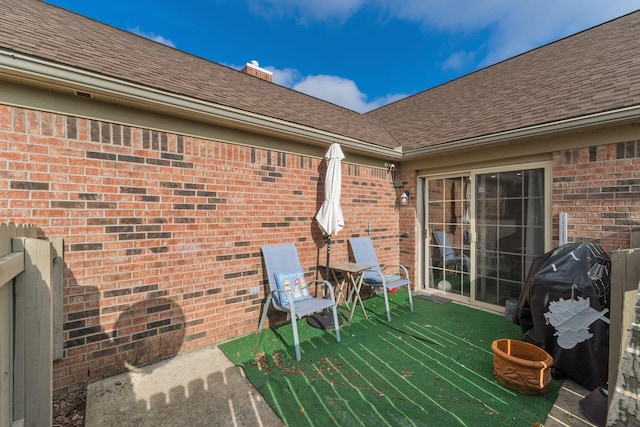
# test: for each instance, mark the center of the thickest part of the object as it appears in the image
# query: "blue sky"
(360, 54)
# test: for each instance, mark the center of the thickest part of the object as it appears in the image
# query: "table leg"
(357, 284)
(340, 284)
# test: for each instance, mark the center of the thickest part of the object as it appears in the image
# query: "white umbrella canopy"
(330, 220)
(329, 215)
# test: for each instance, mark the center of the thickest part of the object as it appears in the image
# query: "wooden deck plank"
(566, 410)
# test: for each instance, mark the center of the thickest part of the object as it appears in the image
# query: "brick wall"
(599, 188)
(163, 231)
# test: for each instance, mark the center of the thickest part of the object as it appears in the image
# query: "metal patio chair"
(364, 253)
(289, 290)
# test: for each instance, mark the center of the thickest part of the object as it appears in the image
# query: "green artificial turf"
(432, 367)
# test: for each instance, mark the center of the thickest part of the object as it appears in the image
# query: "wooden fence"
(624, 337)
(30, 273)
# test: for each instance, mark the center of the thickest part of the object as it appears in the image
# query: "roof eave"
(70, 78)
(607, 118)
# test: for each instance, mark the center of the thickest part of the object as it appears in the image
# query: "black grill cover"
(570, 271)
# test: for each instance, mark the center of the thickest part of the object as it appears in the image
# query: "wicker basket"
(521, 366)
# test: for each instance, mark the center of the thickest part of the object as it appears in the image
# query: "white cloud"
(286, 77)
(152, 36)
(459, 60)
(453, 15)
(333, 89)
(513, 27)
(526, 25)
(341, 91)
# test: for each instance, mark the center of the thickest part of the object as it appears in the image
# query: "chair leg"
(296, 340)
(264, 312)
(386, 302)
(335, 322)
(410, 300)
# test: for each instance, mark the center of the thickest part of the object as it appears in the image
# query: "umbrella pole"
(326, 272)
(324, 320)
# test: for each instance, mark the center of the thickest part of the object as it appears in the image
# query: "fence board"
(12, 262)
(6, 355)
(5, 240)
(33, 356)
(7, 231)
(10, 266)
(624, 409)
(625, 276)
(57, 302)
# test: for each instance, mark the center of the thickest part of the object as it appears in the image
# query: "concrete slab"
(199, 388)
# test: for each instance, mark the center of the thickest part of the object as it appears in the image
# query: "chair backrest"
(445, 246)
(278, 258)
(364, 253)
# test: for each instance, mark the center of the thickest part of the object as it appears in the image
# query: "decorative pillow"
(292, 281)
(376, 279)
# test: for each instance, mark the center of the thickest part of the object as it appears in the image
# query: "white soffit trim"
(27, 67)
(612, 117)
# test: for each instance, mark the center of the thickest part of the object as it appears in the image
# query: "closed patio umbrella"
(329, 217)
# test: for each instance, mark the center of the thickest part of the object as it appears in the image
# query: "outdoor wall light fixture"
(391, 167)
(404, 198)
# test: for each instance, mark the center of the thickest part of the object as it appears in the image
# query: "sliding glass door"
(484, 229)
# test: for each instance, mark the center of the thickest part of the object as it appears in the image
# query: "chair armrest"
(277, 305)
(327, 284)
(401, 267)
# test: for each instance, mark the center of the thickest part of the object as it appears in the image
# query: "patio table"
(347, 277)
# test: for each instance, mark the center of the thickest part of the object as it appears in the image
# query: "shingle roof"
(593, 71)
(38, 29)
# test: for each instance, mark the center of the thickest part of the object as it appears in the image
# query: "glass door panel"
(510, 231)
(449, 228)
